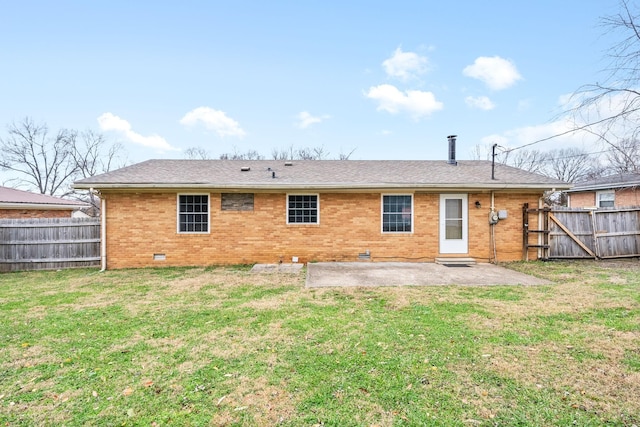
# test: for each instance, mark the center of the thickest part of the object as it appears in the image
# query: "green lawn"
(222, 346)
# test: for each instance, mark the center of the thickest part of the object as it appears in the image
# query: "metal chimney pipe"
(452, 150)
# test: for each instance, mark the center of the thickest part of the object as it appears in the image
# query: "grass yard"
(222, 346)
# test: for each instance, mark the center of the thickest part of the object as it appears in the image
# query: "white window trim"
(382, 196)
(317, 208)
(208, 213)
(600, 193)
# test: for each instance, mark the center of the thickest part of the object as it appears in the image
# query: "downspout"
(493, 229)
(541, 238)
(103, 233)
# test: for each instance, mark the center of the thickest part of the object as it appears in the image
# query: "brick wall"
(143, 224)
(582, 200)
(33, 213)
(627, 197)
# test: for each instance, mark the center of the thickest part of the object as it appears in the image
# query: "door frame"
(454, 246)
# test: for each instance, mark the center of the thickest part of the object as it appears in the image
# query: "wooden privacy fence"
(583, 233)
(44, 244)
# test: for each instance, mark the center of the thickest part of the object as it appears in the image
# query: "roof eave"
(289, 187)
(604, 187)
(43, 206)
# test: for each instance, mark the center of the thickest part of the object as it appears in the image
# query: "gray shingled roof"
(608, 182)
(319, 174)
(19, 197)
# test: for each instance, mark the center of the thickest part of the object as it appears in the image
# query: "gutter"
(53, 206)
(610, 186)
(103, 234)
(284, 187)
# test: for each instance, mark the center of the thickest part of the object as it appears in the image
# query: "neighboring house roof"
(607, 183)
(11, 198)
(319, 175)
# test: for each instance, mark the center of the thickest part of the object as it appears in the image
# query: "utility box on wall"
(502, 214)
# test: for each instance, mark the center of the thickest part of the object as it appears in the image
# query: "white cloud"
(405, 65)
(497, 73)
(565, 126)
(565, 130)
(306, 119)
(415, 102)
(111, 122)
(214, 120)
(528, 134)
(480, 102)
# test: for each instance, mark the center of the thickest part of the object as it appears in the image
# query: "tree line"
(288, 153)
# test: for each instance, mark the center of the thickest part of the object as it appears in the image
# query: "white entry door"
(454, 228)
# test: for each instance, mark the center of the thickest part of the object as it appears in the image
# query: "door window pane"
(453, 219)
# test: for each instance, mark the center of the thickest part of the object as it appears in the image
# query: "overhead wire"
(558, 134)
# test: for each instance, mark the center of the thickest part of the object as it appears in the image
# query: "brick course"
(33, 213)
(140, 225)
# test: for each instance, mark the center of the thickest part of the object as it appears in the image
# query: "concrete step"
(456, 261)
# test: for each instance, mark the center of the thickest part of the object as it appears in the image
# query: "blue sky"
(389, 80)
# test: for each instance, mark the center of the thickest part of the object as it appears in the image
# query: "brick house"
(614, 191)
(16, 204)
(206, 212)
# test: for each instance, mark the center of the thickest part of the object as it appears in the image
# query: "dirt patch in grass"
(236, 342)
(274, 302)
(266, 404)
(36, 313)
(27, 356)
(592, 378)
(565, 298)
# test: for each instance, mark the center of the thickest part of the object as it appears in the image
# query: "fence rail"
(45, 244)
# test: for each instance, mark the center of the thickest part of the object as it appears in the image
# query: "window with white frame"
(302, 209)
(193, 213)
(397, 213)
(605, 199)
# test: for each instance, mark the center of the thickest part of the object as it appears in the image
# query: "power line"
(569, 156)
(559, 134)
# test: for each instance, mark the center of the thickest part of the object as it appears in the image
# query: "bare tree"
(289, 153)
(237, 155)
(38, 159)
(570, 164)
(345, 156)
(49, 163)
(198, 153)
(529, 160)
(302, 153)
(480, 152)
(283, 153)
(626, 157)
(92, 154)
(610, 109)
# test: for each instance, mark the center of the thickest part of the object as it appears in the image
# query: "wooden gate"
(583, 233)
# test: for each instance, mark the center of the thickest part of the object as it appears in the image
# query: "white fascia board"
(335, 187)
(610, 186)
